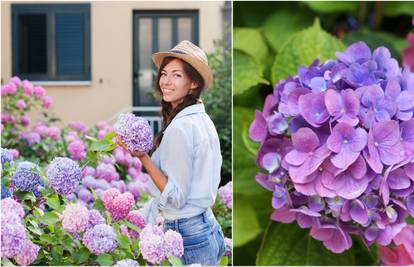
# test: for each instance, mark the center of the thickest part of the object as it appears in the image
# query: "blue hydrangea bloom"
(64, 175)
(5, 192)
(25, 178)
(6, 156)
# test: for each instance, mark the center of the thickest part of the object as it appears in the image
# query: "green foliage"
(247, 72)
(217, 100)
(333, 7)
(251, 41)
(302, 48)
(287, 244)
(397, 8)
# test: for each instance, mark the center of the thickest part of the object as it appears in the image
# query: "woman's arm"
(159, 179)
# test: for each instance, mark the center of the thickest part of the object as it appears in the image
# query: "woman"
(185, 167)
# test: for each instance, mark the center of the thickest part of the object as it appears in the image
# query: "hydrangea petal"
(257, 130)
(312, 108)
(359, 212)
(305, 140)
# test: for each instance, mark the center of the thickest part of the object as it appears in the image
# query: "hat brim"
(199, 65)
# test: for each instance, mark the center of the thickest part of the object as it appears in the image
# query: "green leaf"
(224, 261)
(132, 226)
(410, 220)
(82, 255)
(175, 261)
(100, 146)
(246, 226)
(53, 201)
(50, 218)
(99, 205)
(57, 253)
(105, 260)
(22, 195)
(245, 150)
(394, 8)
(109, 136)
(123, 241)
(281, 25)
(302, 49)
(287, 244)
(35, 230)
(247, 72)
(250, 41)
(332, 7)
(6, 262)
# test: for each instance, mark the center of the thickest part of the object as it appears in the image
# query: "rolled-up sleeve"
(176, 160)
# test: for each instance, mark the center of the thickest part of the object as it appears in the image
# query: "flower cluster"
(25, 177)
(75, 218)
(135, 132)
(119, 205)
(135, 217)
(77, 150)
(126, 263)
(155, 246)
(337, 147)
(100, 239)
(226, 195)
(6, 156)
(64, 175)
(229, 247)
(403, 252)
(14, 243)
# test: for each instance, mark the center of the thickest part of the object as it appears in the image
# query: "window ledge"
(62, 83)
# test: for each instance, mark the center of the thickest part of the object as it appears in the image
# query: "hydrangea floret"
(64, 175)
(135, 132)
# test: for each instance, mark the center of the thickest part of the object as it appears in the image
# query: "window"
(51, 42)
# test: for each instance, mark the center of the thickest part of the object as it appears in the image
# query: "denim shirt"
(189, 155)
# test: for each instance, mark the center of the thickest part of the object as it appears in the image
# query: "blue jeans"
(202, 236)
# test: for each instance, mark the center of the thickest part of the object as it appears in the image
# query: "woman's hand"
(135, 153)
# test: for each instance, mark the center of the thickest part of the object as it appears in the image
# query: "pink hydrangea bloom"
(47, 102)
(406, 238)
(28, 253)
(225, 193)
(16, 81)
(408, 53)
(102, 125)
(88, 170)
(76, 150)
(39, 92)
(119, 205)
(54, 132)
(9, 89)
(75, 218)
(25, 120)
(397, 256)
(28, 88)
(151, 244)
(78, 126)
(15, 153)
(20, 104)
(136, 219)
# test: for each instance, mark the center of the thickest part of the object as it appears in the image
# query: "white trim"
(62, 83)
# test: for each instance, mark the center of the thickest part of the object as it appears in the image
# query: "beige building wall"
(110, 89)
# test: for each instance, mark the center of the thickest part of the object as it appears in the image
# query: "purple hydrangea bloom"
(25, 178)
(78, 126)
(100, 239)
(135, 132)
(136, 219)
(76, 150)
(151, 244)
(95, 218)
(6, 156)
(28, 253)
(64, 175)
(173, 244)
(107, 171)
(345, 162)
(13, 234)
(126, 263)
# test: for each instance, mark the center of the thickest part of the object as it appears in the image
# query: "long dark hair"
(167, 111)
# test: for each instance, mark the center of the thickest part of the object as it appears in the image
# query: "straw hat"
(190, 53)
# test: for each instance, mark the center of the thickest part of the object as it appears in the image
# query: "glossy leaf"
(247, 72)
(245, 224)
(302, 49)
(287, 244)
(105, 260)
(251, 41)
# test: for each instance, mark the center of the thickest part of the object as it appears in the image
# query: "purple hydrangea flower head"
(85, 195)
(135, 132)
(151, 244)
(9, 205)
(126, 263)
(173, 244)
(13, 235)
(76, 150)
(6, 156)
(120, 184)
(107, 171)
(33, 138)
(28, 254)
(75, 218)
(25, 178)
(100, 239)
(119, 205)
(64, 175)
(345, 162)
(226, 195)
(78, 126)
(95, 218)
(25, 120)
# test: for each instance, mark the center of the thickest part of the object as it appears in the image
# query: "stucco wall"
(111, 56)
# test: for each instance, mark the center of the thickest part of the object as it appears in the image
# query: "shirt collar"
(196, 108)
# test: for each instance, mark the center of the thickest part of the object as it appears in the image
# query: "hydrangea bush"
(337, 148)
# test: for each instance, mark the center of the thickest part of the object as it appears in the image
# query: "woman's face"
(175, 83)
